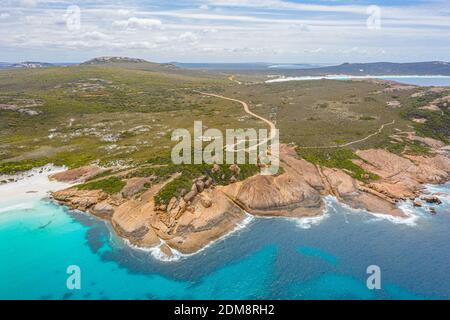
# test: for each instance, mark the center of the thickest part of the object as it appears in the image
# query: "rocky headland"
(207, 212)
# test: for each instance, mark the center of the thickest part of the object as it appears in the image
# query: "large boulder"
(77, 175)
(79, 199)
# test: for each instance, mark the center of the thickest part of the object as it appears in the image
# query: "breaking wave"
(158, 254)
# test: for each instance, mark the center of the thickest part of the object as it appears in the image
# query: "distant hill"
(130, 63)
(103, 60)
(379, 68)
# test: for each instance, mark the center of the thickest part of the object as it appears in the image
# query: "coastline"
(40, 177)
(31, 185)
(158, 254)
(303, 221)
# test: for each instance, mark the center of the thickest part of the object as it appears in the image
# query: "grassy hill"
(123, 111)
(104, 112)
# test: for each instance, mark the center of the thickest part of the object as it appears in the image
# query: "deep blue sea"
(269, 259)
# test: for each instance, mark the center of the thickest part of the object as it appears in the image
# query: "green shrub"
(20, 166)
(111, 185)
(338, 158)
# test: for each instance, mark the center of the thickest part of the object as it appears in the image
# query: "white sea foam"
(303, 222)
(20, 206)
(177, 255)
(411, 215)
(156, 251)
(442, 191)
(308, 222)
(407, 208)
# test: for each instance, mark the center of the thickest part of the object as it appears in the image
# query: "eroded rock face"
(420, 168)
(103, 210)
(402, 177)
(285, 195)
(206, 222)
(384, 163)
(77, 175)
(307, 170)
(294, 193)
(352, 193)
(80, 199)
(135, 185)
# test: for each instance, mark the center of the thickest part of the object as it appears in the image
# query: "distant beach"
(414, 80)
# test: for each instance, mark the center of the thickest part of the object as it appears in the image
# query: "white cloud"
(279, 5)
(140, 45)
(29, 3)
(95, 35)
(222, 30)
(123, 13)
(137, 23)
(316, 50)
(188, 36)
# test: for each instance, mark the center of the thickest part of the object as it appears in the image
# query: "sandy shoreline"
(30, 185)
(35, 185)
(352, 77)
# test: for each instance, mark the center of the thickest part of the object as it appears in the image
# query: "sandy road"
(273, 127)
(353, 142)
(273, 131)
(246, 108)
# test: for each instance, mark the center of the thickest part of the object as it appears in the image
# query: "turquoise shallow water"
(271, 258)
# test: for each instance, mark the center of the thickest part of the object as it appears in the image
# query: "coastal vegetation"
(120, 116)
(222, 175)
(432, 115)
(340, 158)
(110, 185)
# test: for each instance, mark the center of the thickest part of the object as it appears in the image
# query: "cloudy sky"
(315, 31)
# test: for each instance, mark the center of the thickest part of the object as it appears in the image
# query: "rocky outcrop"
(202, 222)
(80, 199)
(186, 226)
(77, 175)
(135, 185)
(402, 177)
(353, 193)
(103, 210)
(285, 195)
(207, 212)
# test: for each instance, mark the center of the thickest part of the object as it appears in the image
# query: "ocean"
(324, 258)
